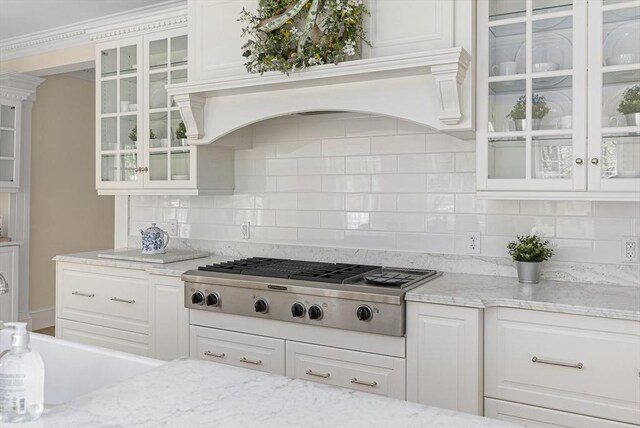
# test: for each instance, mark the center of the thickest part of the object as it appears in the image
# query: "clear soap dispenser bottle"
(21, 379)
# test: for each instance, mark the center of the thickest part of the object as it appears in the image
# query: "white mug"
(615, 121)
(505, 68)
(124, 105)
(564, 122)
(540, 67)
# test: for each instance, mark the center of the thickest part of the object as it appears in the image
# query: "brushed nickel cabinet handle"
(4, 284)
(78, 293)
(213, 354)
(595, 161)
(145, 169)
(362, 382)
(557, 363)
(322, 375)
(579, 161)
(117, 299)
(248, 361)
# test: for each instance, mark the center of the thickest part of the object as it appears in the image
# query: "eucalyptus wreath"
(290, 35)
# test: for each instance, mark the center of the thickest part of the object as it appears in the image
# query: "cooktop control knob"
(197, 298)
(261, 306)
(298, 310)
(315, 312)
(364, 313)
(213, 299)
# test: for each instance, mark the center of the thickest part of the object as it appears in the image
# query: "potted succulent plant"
(630, 105)
(181, 134)
(529, 252)
(519, 112)
(133, 135)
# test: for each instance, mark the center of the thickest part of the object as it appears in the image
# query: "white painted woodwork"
(538, 417)
(377, 374)
(607, 385)
(211, 169)
(237, 349)
(346, 339)
(171, 322)
(157, 321)
(444, 356)
(586, 182)
(111, 338)
(85, 294)
(9, 269)
(595, 111)
(415, 70)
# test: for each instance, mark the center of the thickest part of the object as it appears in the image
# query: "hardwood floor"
(49, 331)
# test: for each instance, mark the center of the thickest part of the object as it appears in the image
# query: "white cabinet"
(578, 364)
(538, 417)
(377, 374)
(171, 318)
(547, 128)
(10, 147)
(394, 27)
(444, 356)
(141, 141)
(9, 283)
(124, 309)
(237, 349)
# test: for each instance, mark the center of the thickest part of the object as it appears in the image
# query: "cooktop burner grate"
(335, 273)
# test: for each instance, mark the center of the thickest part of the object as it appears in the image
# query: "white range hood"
(424, 88)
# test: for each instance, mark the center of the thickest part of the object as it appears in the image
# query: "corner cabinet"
(141, 146)
(547, 127)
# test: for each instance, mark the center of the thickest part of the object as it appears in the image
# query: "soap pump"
(21, 379)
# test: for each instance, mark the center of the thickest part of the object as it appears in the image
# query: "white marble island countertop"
(193, 393)
(482, 291)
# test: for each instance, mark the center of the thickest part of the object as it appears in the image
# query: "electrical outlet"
(473, 243)
(173, 227)
(245, 228)
(630, 248)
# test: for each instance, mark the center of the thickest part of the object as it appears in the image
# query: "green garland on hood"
(290, 35)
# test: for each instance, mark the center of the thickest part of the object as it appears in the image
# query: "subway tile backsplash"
(359, 181)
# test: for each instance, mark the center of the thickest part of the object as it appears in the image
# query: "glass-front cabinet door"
(169, 157)
(614, 92)
(531, 95)
(119, 94)
(9, 150)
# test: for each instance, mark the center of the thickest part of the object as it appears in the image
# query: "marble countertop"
(193, 393)
(169, 269)
(482, 291)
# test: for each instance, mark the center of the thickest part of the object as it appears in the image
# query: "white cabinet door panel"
(9, 271)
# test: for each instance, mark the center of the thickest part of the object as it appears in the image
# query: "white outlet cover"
(630, 255)
(173, 227)
(473, 243)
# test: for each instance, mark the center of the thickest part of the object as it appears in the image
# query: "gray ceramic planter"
(528, 273)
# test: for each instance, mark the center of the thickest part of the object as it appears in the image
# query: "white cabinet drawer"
(119, 340)
(537, 417)
(110, 297)
(350, 369)
(578, 364)
(236, 349)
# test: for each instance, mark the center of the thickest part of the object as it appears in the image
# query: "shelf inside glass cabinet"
(508, 9)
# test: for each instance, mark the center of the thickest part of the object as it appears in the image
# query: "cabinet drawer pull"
(116, 299)
(557, 363)
(248, 361)
(213, 354)
(362, 382)
(322, 375)
(78, 293)
(4, 284)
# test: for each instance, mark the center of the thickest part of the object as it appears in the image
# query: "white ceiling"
(21, 17)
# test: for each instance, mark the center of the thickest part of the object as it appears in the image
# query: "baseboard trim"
(43, 317)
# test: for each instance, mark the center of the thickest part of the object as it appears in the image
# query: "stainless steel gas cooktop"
(348, 296)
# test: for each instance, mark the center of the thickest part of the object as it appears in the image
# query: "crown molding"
(164, 15)
(18, 86)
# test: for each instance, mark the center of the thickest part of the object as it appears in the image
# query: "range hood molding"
(425, 88)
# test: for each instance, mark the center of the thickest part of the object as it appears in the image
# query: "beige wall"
(66, 213)
(48, 62)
